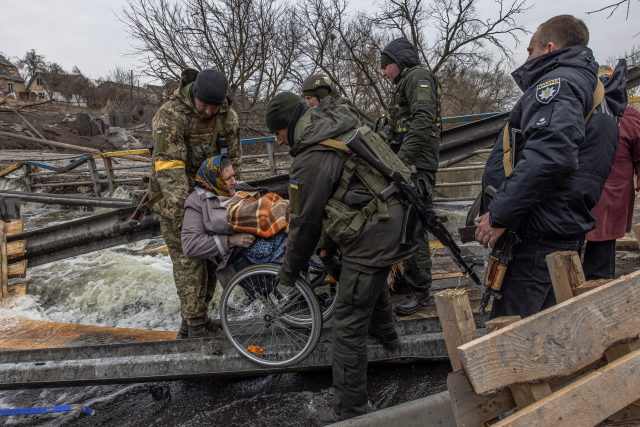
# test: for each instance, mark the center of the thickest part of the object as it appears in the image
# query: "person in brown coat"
(614, 211)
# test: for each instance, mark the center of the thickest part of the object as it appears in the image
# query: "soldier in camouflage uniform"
(196, 123)
(318, 86)
(412, 126)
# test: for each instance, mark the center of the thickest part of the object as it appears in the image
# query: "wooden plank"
(446, 276)
(10, 169)
(14, 227)
(590, 285)
(500, 322)
(615, 353)
(18, 289)
(636, 231)
(16, 248)
(566, 273)
(457, 321)
(18, 269)
(471, 410)
(556, 341)
(588, 400)
(4, 274)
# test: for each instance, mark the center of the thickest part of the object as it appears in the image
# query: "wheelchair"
(274, 325)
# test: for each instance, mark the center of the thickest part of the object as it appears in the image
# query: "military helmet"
(318, 85)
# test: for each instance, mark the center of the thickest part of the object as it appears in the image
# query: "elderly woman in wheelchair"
(243, 230)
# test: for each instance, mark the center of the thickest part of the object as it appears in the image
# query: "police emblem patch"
(545, 92)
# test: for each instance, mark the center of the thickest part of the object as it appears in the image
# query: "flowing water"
(132, 286)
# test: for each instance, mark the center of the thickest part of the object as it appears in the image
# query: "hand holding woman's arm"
(241, 239)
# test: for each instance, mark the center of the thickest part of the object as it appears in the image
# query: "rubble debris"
(121, 139)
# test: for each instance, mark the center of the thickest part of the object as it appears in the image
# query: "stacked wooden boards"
(574, 364)
(8, 251)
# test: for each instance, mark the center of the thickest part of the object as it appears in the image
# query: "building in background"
(70, 88)
(11, 84)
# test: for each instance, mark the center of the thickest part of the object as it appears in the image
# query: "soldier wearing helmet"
(318, 86)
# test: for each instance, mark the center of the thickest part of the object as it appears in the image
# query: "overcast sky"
(87, 33)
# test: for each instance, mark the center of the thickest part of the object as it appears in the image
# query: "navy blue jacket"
(561, 164)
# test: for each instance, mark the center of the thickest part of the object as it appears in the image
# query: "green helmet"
(318, 85)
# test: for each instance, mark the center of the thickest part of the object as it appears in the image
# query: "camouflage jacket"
(412, 122)
(345, 102)
(183, 139)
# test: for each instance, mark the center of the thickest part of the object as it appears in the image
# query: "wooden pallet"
(574, 364)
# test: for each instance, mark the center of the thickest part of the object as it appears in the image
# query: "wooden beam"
(471, 410)
(18, 289)
(16, 248)
(615, 353)
(457, 321)
(636, 231)
(500, 322)
(4, 269)
(441, 276)
(590, 285)
(14, 227)
(566, 273)
(588, 400)
(122, 153)
(18, 269)
(555, 342)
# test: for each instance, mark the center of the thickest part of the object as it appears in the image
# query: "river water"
(132, 286)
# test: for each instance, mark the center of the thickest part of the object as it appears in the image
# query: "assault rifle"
(500, 256)
(418, 205)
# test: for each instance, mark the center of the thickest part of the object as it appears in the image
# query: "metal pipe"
(257, 156)
(265, 170)
(69, 146)
(458, 184)
(59, 196)
(76, 202)
(102, 181)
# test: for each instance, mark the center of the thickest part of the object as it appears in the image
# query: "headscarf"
(210, 176)
(604, 73)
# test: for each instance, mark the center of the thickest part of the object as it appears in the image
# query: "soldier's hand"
(241, 239)
(487, 235)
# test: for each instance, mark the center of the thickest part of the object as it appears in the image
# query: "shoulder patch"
(424, 93)
(543, 118)
(545, 92)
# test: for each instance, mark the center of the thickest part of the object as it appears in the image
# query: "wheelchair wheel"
(325, 288)
(259, 316)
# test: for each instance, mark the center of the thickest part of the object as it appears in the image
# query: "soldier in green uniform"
(318, 86)
(333, 191)
(196, 123)
(412, 127)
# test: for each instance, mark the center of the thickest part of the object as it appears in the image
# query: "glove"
(286, 279)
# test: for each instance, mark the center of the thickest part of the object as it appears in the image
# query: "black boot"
(388, 338)
(412, 302)
(212, 328)
(183, 332)
(325, 415)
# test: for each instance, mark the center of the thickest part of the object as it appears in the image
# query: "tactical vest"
(342, 223)
(202, 142)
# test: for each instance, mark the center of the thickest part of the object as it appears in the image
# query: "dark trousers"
(363, 298)
(417, 269)
(600, 260)
(527, 289)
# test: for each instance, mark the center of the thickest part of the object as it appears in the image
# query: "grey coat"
(205, 230)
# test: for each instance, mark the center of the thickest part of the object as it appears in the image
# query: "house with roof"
(150, 94)
(60, 87)
(11, 84)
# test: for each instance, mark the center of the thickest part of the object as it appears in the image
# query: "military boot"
(412, 302)
(183, 332)
(211, 328)
(388, 338)
(325, 415)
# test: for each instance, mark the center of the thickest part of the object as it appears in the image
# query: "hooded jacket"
(412, 121)
(180, 132)
(315, 176)
(561, 163)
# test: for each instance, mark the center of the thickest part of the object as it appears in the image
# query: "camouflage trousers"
(195, 280)
(363, 298)
(417, 269)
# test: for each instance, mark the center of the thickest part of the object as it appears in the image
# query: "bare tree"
(30, 64)
(611, 8)
(250, 41)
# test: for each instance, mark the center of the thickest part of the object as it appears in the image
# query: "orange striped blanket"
(265, 217)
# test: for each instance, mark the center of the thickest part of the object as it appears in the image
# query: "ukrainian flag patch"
(424, 84)
(294, 184)
(159, 130)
